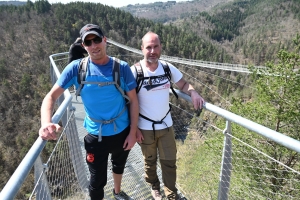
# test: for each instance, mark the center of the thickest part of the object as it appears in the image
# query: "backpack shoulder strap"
(167, 70)
(139, 76)
(117, 78)
(82, 70)
(169, 76)
(81, 74)
(116, 70)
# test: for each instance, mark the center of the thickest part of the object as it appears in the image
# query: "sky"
(114, 3)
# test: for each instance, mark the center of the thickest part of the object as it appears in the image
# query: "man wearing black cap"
(76, 50)
(109, 128)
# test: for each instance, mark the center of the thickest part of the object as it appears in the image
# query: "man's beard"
(152, 61)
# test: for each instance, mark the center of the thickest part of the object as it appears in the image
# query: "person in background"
(110, 128)
(76, 50)
(155, 131)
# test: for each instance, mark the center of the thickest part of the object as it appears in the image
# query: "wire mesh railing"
(57, 178)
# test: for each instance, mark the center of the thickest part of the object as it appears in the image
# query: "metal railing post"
(42, 190)
(226, 164)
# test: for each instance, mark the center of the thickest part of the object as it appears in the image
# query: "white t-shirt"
(154, 98)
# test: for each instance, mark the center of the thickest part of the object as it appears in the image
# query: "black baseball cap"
(90, 29)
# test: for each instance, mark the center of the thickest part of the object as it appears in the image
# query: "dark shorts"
(97, 158)
(109, 144)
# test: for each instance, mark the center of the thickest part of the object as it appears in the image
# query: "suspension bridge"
(213, 161)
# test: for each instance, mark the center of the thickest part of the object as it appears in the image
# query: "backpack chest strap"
(100, 83)
(101, 122)
(109, 83)
(157, 122)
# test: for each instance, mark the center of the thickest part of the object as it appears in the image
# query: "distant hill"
(171, 10)
(251, 31)
(15, 3)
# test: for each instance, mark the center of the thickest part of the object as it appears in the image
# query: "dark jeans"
(97, 158)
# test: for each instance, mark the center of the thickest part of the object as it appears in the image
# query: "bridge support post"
(226, 164)
(42, 189)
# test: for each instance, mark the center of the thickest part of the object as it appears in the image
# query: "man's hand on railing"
(48, 131)
(197, 100)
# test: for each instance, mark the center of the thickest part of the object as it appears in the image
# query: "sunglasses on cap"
(96, 40)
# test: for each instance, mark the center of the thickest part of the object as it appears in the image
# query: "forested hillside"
(29, 34)
(251, 31)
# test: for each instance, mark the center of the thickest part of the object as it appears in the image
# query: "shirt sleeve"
(69, 75)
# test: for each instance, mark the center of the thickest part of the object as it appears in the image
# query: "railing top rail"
(277, 137)
(201, 63)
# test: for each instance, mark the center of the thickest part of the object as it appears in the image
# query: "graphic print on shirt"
(156, 83)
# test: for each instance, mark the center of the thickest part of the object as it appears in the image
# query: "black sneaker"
(121, 195)
(181, 197)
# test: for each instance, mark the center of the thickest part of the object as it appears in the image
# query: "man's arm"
(134, 115)
(48, 129)
(187, 88)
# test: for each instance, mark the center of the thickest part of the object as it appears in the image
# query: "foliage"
(277, 102)
(276, 106)
(42, 6)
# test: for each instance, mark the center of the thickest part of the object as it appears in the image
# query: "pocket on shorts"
(90, 143)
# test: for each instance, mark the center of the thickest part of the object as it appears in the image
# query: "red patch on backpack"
(90, 157)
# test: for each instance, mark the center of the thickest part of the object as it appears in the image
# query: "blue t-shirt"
(101, 102)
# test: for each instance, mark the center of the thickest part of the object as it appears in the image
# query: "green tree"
(24, 86)
(42, 6)
(276, 106)
(278, 92)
